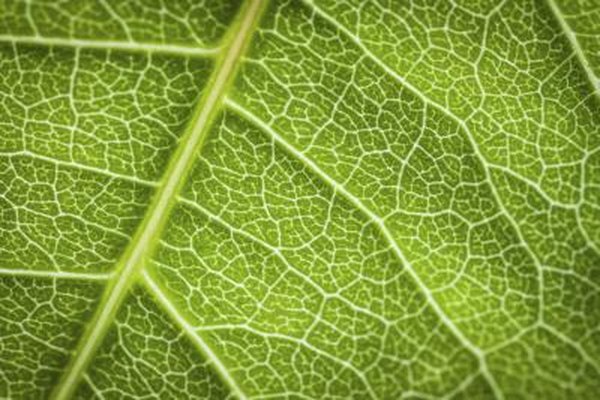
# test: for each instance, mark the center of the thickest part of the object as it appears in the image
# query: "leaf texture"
(300, 199)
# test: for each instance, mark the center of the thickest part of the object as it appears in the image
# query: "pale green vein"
(575, 345)
(80, 166)
(300, 342)
(110, 45)
(141, 247)
(102, 228)
(425, 99)
(278, 253)
(572, 37)
(337, 187)
(32, 273)
(486, 164)
(118, 19)
(162, 299)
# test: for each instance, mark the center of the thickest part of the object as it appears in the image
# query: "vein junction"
(350, 228)
(158, 212)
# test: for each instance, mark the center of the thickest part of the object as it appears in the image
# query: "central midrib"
(146, 237)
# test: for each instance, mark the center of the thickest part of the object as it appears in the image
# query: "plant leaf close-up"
(301, 199)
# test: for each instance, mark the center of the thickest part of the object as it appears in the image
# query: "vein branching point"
(144, 242)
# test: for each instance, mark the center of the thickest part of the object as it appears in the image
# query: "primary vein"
(141, 247)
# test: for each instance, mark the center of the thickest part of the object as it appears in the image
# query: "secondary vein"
(575, 45)
(139, 250)
(110, 45)
(380, 223)
(48, 273)
(195, 337)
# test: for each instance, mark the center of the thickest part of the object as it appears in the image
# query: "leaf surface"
(300, 199)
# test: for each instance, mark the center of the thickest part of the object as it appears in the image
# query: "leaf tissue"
(300, 199)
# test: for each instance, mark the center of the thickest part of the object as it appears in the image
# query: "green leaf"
(299, 199)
